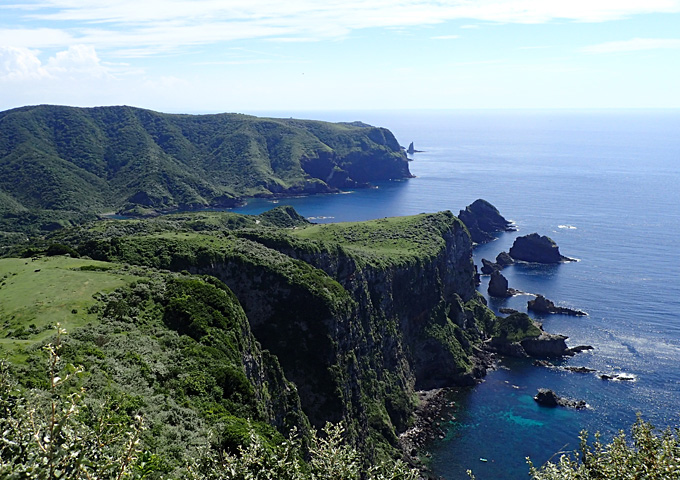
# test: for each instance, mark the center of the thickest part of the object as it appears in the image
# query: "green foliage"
(283, 217)
(515, 327)
(650, 456)
(60, 249)
(54, 435)
(330, 459)
(58, 435)
(61, 164)
(387, 241)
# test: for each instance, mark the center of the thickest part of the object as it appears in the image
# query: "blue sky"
(269, 55)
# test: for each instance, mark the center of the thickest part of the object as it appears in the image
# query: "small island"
(535, 248)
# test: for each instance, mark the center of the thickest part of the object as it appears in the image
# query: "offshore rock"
(535, 248)
(548, 398)
(581, 348)
(543, 305)
(483, 220)
(546, 345)
(504, 259)
(580, 369)
(498, 286)
(488, 267)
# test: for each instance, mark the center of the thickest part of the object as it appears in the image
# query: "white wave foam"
(568, 227)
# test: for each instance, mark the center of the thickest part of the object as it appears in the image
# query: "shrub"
(54, 435)
(58, 434)
(650, 456)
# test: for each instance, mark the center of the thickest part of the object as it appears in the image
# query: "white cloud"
(18, 63)
(78, 59)
(151, 26)
(634, 45)
(81, 61)
(446, 37)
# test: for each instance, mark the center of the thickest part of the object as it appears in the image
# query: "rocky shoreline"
(429, 416)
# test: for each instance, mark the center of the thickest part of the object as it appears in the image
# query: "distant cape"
(56, 158)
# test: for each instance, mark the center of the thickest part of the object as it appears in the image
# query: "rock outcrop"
(546, 345)
(548, 398)
(535, 248)
(504, 259)
(542, 305)
(488, 267)
(517, 335)
(483, 220)
(498, 286)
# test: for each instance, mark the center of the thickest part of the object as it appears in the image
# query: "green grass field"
(35, 295)
(386, 239)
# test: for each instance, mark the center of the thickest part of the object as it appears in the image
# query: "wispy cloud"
(634, 45)
(446, 37)
(150, 26)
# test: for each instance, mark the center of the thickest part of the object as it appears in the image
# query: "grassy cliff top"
(387, 240)
(35, 295)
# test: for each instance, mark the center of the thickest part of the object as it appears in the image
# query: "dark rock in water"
(542, 363)
(543, 305)
(580, 369)
(498, 285)
(546, 345)
(581, 348)
(504, 259)
(488, 267)
(482, 220)
(548, 398)
(535, 248)
(507, 311)
(617, 376)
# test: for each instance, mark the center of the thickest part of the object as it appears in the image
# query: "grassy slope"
(63, 159)
(36, 295)
(385, 241)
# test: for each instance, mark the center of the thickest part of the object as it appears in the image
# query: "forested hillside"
(63, 164)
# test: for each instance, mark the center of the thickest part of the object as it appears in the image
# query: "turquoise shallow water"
(606, 187)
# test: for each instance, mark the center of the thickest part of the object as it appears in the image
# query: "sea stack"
(535, 248)
(483, 220)
(498, 285)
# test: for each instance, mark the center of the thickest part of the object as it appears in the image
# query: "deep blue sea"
(605, 185)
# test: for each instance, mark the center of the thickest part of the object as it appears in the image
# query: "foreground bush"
(650, 456)
(61, 434)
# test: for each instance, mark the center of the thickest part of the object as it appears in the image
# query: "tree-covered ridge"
(92, 160)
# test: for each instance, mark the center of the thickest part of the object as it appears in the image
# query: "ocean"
(605, 185)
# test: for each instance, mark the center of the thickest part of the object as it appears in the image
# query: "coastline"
(429, 416)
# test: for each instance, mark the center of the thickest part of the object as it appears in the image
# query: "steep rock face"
(358, 329)
(483, 220)
(536, 248)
